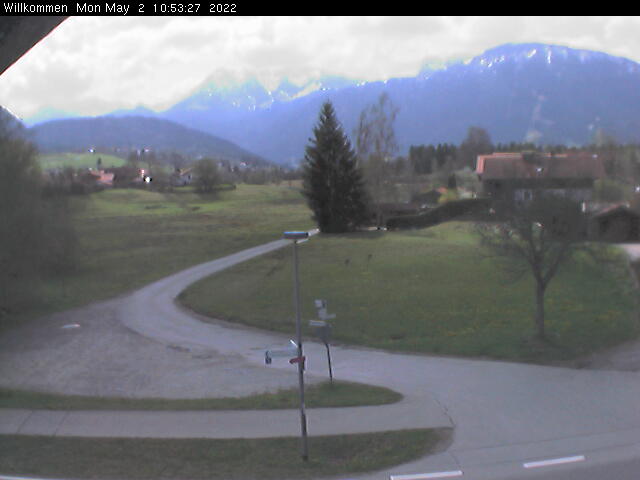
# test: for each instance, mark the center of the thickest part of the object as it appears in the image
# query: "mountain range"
(547, 94)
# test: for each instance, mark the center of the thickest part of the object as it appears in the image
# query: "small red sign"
(297, 360)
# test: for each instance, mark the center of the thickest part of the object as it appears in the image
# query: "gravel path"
(102, 357)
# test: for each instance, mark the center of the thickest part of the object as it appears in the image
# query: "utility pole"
(297, 236)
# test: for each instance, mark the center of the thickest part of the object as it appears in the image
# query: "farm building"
(520, 177)
(617, 223)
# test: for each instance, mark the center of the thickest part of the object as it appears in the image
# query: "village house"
(520, 177)
(617, 223)
(125, 176)
(182, 177)
(98, 177)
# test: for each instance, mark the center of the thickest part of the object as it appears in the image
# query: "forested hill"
(131, 133)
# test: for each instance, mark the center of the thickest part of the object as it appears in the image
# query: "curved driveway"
(504, 414)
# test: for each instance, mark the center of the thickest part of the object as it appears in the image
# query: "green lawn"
(427, 291)
(78, 160)
(243, 459)
(130, 237)
(340, 394)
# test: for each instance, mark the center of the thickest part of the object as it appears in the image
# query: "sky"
(94, 65)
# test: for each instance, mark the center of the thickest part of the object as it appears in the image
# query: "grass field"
(427, 291)
(78, 160)
(243, 459)
(130, 237)
(322, 395)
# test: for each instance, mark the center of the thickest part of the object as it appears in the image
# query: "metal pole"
(329, 360)
(296, 295)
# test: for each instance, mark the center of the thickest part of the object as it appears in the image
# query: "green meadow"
(78, 160)
(235, 459)
(131, 237)
(428, 291)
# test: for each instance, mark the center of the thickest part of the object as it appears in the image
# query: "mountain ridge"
(548, 94)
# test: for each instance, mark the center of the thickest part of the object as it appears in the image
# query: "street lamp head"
(296, 235)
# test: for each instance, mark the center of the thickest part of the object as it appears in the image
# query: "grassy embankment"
(428, 291)
(340, 394)
(243, 459)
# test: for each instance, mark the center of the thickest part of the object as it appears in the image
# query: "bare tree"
(477, 142)
(376, 145)
(538, 237)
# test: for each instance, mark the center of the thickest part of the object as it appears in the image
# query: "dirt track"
(104, 358)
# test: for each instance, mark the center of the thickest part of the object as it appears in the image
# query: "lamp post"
(296, 237)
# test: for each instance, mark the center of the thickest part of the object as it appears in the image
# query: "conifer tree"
(333, 184)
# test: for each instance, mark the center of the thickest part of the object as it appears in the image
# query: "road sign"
(298, 360)
(296, 235)
(321, 305)
(282, 352)
(317, 323)
(285, 352)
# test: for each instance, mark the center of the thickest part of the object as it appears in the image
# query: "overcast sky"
(93, 65)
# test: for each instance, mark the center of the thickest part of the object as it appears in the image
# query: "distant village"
(516, 177)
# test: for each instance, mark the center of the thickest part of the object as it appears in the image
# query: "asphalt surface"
(505, 415)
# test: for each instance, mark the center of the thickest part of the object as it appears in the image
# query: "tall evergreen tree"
(333, 184)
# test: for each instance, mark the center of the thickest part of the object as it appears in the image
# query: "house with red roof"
(97, 177)
(520, 177)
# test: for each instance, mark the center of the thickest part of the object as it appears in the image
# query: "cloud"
(92, 65)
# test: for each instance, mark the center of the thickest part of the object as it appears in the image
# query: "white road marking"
(424, 476)
(4, 477)
(554, 461)
(71, 325)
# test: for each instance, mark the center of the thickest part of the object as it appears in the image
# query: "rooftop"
(500, 166)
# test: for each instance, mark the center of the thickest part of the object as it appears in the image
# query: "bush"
(206, 175)
(450, 196)
(470, 208)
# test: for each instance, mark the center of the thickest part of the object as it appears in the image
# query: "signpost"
(323, 330)
(290, 351)
(296, 237)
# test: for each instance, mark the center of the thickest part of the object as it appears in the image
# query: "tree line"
(37, 237)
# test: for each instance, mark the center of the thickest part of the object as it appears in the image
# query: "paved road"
(504, 414)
